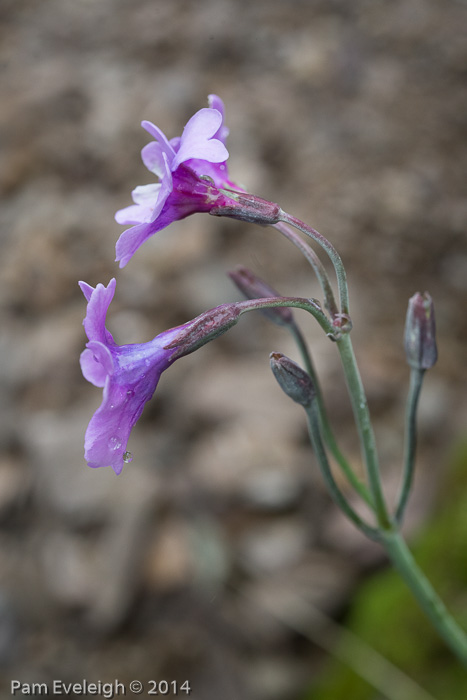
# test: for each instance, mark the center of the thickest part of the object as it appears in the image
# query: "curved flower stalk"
(191, 169)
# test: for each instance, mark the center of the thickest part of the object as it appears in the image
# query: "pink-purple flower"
(128, 375)
(190, 168)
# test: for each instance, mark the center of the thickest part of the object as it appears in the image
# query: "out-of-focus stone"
(268, 548)
(15, 484)
(273, 488)
(168, 562)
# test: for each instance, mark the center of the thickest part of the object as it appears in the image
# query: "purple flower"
(128, 374)
(190, 168)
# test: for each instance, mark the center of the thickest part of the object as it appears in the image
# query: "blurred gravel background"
(352, 115)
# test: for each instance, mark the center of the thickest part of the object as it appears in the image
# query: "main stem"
(426, 596)
(365, 429)
(332, 253)
(326, 429)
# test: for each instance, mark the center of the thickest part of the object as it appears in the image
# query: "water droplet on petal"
(208, 179)
(114, 443)
(127, 457)
(130, 393)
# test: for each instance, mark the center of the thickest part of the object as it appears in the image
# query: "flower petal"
(107, 435)
(166, 187)
(86, 289)
(197, 141)
(130, 240)
(98, 303)
(134, 214)
(146, 195)
(96, 363)
(215, 102)
(152, 156)
(218, 172)
(160, 137)
(175, 143)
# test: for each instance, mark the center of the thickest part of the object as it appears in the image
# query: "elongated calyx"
(247, 207)
(420, 332)
(292, 379)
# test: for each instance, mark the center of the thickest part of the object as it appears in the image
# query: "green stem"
(326, 429)
(416, 381)
(311, 305)
(330, 250)
(312, 412)
(364, 427)
(316, 264)
(426, 596)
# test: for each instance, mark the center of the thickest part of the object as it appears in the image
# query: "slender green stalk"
(330, 250)
(426, 596)
(316, 264)
(416, 381)
(364, 427)
(312, 412)
(311, 305)
(326, 429)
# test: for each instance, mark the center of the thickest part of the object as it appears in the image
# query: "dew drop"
(208, 179)
(114, 443)
(127, 457)
(130, 393)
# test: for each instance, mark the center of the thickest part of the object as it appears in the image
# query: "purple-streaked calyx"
(292, 379)
(420, 332)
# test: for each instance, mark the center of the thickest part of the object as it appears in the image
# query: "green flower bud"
(292, 379)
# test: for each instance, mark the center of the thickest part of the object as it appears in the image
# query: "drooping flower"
(191, 169)
(128, 375)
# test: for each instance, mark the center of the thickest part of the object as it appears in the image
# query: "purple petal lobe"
(137, 370)
(86, 289)
(129, 242)
(197, 141)
(152, 156)
(98, 303)
(215, 102)
(160, 137)
(96, 363)
(132, 215)
(166, 187)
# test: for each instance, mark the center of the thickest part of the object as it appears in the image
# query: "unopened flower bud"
(420, 332)
(292, 379)
(255, 288)
(247, 207)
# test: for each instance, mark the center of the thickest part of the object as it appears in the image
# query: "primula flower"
(191, 169)
(128, 374)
